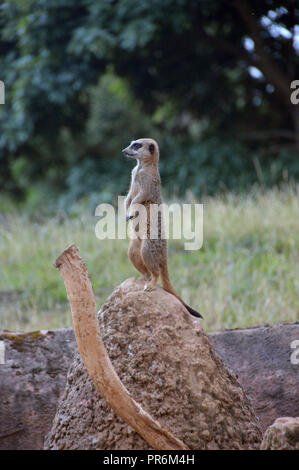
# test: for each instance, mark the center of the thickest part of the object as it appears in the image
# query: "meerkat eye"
(151, 148)
(136, 146)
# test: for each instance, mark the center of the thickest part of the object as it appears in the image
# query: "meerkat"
(148, 255)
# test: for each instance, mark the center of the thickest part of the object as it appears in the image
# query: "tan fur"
(149, 256)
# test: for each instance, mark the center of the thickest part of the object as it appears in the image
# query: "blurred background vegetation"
(211, 82)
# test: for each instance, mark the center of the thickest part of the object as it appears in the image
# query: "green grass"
(247, 272)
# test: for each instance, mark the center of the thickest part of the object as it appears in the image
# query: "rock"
(169, 366)
(261, 358)
(282, 435)
(31, 380)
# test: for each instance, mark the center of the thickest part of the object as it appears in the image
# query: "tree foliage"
(193, 73)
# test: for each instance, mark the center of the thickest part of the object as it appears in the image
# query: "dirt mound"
(169, 366)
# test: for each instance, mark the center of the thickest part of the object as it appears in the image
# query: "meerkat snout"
(132, 149)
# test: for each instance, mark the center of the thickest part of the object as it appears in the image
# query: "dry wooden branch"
(96, 359)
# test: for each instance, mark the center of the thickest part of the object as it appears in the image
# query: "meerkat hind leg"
(148, 253)
(152, 284)
(135, 257)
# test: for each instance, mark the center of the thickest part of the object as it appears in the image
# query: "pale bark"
(96, 359)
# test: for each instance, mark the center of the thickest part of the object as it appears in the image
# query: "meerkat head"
(144, 150)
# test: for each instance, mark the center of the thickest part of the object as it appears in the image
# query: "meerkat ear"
(151, 148)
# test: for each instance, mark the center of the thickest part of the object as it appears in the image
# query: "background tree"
(197, 74)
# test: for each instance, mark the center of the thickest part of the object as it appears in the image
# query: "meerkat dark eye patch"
(151, 148)
(136, 146)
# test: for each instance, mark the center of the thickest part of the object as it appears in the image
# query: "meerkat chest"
(146, 180)
(138, 176)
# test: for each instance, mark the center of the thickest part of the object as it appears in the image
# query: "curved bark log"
(95, 357)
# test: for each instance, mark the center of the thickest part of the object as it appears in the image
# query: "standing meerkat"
(148, 255)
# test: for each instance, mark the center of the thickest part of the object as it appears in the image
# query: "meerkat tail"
(192, 311)
(166, 284)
